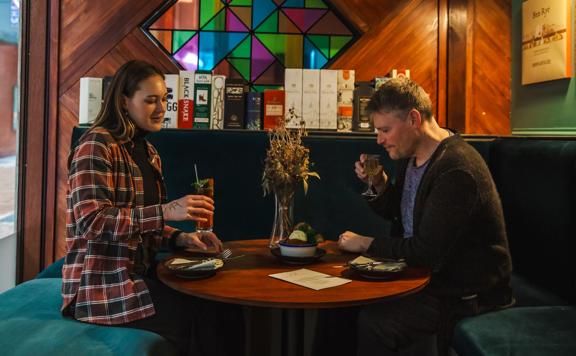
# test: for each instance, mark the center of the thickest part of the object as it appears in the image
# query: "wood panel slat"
(490, 99)
(367, 14)
(442, 62)
(53, 139)
(38, 137)
(90, 29)
(393, 44)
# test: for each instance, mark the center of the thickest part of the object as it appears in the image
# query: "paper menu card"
(310, 279)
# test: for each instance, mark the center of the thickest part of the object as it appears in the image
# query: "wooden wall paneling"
(457, 58)
(38, 136)
(442, 61)
(90, 29)
(407, 40)
(479, 83)
(366, 14)
(491, 77)
(53, 142)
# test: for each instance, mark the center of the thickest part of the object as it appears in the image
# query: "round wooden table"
(246, 281)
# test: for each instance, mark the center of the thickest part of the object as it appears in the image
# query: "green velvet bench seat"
(522, 331)
(31, 324)
(536, 180)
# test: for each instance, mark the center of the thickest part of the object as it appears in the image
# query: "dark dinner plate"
(382, 270)
(184, 270)
(298, 260)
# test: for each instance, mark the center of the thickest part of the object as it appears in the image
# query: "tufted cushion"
(31, 324)
(526, 331)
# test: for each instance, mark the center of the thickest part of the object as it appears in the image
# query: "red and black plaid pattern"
(105, 221)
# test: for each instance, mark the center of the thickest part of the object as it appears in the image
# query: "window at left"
(9, 118)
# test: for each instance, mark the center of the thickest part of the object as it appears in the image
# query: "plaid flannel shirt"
(105, 221)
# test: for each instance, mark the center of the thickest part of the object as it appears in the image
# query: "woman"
(115, 216)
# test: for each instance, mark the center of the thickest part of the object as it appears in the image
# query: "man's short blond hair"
(400, 95)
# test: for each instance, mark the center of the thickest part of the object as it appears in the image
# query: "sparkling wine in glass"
(371, 168)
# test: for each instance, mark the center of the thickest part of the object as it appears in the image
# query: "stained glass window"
(254, 40)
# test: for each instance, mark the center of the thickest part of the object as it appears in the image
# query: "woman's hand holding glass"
(189, 207)
(369, 170)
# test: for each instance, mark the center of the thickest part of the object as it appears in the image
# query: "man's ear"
(415, 118)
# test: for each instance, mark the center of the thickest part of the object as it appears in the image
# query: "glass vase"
(283, 216)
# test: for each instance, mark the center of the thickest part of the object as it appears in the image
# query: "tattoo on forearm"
(170, 207)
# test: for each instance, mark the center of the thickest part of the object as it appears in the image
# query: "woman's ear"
(124, 102)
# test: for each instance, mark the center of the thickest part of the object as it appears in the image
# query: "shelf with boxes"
(320, 99)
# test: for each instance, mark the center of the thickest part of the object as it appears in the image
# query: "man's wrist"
(366, 242)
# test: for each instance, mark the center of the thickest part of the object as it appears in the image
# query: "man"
(446, 216)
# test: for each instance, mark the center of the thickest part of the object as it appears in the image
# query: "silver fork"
(226, 254)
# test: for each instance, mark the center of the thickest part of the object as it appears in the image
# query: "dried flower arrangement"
(286, 165)
(287, 160)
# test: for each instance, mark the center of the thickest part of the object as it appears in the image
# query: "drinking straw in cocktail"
(196, 170)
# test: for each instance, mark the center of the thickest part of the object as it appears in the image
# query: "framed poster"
(546, 40)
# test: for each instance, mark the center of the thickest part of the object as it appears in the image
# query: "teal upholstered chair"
(31, 324)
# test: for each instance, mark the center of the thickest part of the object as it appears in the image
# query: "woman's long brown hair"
(125, 83)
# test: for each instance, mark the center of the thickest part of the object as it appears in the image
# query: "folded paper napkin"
(366, 263)
(190, 265)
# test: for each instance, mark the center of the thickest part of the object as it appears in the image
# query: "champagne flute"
(371, 168)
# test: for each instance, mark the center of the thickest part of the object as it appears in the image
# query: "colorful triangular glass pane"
(260, 11)
(179, 38)
(261, 58)
(293, 3)
(187, 56)
(315, 4)
(213, 46)
(233, 23)
(209, 8)
(242, 65)
(322, 42)
(261, 88)
(330, 25)
(163, 37)
(243, 49)
(313, 58)
(287, 48)
(285, 25)
(304, 18)
(337, 43)
(218, 23)
(274, 75)
(270, 24)
(244, 14)
(225, 68)
(167, 20)
(241, 2)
